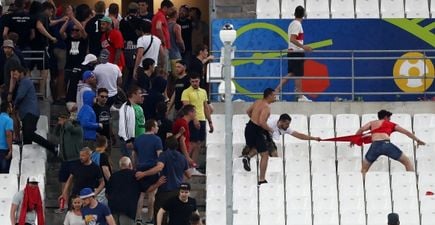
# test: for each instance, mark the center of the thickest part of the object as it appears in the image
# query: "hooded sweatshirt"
(81, 88)
(87, 117)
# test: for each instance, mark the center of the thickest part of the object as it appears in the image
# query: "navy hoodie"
(87, 117)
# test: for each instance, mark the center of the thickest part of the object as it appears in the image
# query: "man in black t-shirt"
(87, 174)
(186, 32)
(198, 62)
(128, 27)
(102, 111)
(181, 83)
(92, 28)
(19, 22)
(179, 208)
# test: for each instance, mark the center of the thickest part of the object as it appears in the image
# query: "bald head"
(125, 163)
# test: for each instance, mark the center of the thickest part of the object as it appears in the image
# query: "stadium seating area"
(323, 9)
(320, 182)
(31, 160)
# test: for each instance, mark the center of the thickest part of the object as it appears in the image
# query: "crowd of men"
(147, 68)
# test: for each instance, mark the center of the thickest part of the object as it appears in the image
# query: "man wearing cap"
(87, 83)
(128, 27)
(93, 212)
(108, 76)
(29, 201)
(12, 61)
(380, 131)
(112, 40)
(393, 219)
(76, 47)
(179, 208)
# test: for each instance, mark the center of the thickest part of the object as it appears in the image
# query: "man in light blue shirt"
(6, 131)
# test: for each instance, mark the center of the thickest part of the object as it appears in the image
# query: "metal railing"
(346, 56)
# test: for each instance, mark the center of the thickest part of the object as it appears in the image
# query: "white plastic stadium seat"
(299, 122)
(432, 8)
(288, 8)
(34, 151)
(427, 204)
(380, 165)
(298, 185)
(409, 217)
(5, 209)
(325, 165)
(351, 203)
(326, 217)
(299, 217)
(378, 203)
(350, 185)
(427, 134)
(16, 152)
(324, 185)
(245, 218)
(297, 150)
(425, 165)
(239, 122)
(344, 151)
(349, 165)
(378, 217)
(267, 9)
(377, 184)
(342, 9)
(405, 204)
(42, 123)
(322, 133)
(402, 119)
(216, 217)
(424, 120)
(238, 166)
(317, 9)
(323, 150)
(427, 218)
(8, 185)
(296, 165)
(354, 217)
(321, 121)
(403, 184)
(217, 151)
(425, 151)
(365, 118)
(416, 9)
(346, 121)
(15, 166)
(392, 9)
(426, 184)
(367, 8)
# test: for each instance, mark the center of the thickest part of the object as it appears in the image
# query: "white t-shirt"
(18, 200)
(277, 132)
(153, 52)
(295, 28)
(107, 76)
(73, 219)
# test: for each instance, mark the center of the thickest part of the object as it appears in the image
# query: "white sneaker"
(195, 172)
(303, 98)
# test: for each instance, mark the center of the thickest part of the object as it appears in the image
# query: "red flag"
(358, 139)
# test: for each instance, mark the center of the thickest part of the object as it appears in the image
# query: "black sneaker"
(262, 182)
(246, 163)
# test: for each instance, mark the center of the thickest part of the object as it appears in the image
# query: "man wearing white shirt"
(108, 76)
(296, 49)
(281, 126)
(148, 46)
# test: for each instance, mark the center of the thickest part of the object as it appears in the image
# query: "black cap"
(185, 186)
(383, 113)
(393, 219)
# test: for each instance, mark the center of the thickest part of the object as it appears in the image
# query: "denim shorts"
(384, 147)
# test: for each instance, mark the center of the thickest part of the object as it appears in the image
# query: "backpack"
(95, 157)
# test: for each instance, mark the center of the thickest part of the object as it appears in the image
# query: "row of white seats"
(323, 9)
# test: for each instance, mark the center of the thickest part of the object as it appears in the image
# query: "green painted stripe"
(421, 32)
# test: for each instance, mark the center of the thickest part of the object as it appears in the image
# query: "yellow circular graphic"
(413, 68)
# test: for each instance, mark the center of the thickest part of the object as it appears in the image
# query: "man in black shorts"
(257, 132)
(296, 49)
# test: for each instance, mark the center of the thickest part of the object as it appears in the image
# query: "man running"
(381, 130)
(257, 132)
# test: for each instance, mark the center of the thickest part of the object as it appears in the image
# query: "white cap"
(33, 179)
(89, 58)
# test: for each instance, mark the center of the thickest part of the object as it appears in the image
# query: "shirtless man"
(380, 133)
(257, 132)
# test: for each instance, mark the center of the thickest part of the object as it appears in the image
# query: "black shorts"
(296, 66)
(256, 137)
(197, 134)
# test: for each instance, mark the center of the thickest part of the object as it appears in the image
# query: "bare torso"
(258, 108)
(378, 136)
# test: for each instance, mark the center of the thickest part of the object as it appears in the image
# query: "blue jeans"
(4, 163)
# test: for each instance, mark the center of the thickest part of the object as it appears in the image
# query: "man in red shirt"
(160, 29)
(188, 113)
(112, 40)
